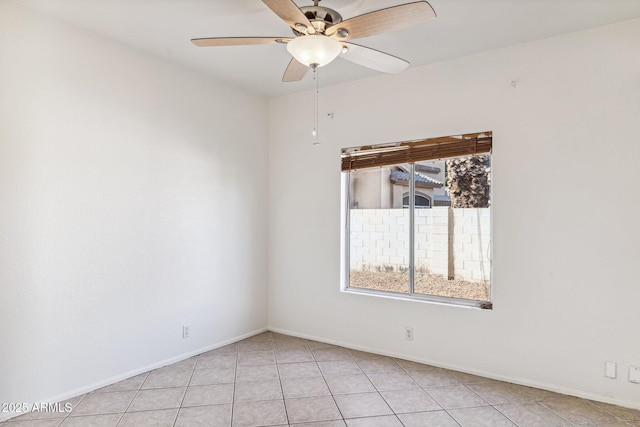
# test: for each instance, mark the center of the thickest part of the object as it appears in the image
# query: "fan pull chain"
(315, 106)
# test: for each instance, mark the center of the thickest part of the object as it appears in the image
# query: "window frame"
(411, 295)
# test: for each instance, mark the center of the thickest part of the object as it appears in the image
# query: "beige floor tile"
(161, 398)
(263, 336)
(457, 396)
(317, 344)
(213, 376)
(335, 423)
(281, 346)
(110, 420)
(532, 415)
(387, 381)
(299, 370)
(383, 421)
(540, 394)
(34, 416)
(312, 409)
(160, 418)
(465, 378)
(203, 395)
(579, 411)
(345, 384)
(434, 377)
(227, 349)
(378, 365)
(410, 366)
(222, 360)
(324, 354)
(497, 393)
(260, 390)
(357, 354)
(254, 346)
(339, 367)
(297, 344)
(167, 377)
(130, 384)
(278, 336)
(205, 416)
(290, 347)
(189, 363)
(257, 358)
(403, 401)
(283, 337)
(431, 419)
(104, 403)
(417, 367)
(51, 422)
(626, 414)
(304, 387)
(264, 413)
(294, 356)
(256, 373)
(362, 405)
(74, 401)
(485, 416)
(256, 381)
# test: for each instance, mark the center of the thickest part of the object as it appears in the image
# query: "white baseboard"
(515, 380)
(117, 378)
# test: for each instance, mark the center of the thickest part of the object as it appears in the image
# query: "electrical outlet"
(408, 333)
(610, 370)
(185, 332)
(634, 374)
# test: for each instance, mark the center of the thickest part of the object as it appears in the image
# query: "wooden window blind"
(416, 151)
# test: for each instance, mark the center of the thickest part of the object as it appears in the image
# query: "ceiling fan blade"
(295, 71)
(290, 13)
(383, 20)
(238, 41)
(373, 59)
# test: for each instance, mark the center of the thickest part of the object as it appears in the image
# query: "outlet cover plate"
(610, 370)
(408, 333)
(634, 374)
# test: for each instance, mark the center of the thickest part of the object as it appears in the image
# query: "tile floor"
(277, 380)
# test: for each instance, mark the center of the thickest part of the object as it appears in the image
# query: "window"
(417, 219)
(420, 201)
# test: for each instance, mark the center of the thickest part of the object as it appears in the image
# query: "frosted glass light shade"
(314, 49)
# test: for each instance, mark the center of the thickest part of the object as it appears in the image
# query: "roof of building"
(426, 168)
(441, 198)
(398, 175)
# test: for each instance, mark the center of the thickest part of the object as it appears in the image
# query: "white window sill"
(429, 299)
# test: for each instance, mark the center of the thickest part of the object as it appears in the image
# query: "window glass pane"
(379, 229)
(452, 240)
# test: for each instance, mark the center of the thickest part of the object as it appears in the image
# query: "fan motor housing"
(320, 17)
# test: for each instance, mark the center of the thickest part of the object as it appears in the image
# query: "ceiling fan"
(321, 35)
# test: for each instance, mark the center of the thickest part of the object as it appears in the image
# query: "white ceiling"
(165, 27)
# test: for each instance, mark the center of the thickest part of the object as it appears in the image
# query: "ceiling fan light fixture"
(316, 49)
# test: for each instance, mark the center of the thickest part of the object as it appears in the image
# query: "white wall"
(565, 201)
(132, 199)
